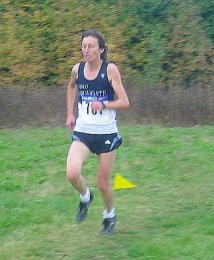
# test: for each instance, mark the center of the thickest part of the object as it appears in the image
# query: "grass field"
(169, 215)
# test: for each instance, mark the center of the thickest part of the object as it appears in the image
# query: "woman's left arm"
(114, 77)
(122, 101)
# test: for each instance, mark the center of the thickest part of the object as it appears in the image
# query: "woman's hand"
(97, 105)
(70, 122)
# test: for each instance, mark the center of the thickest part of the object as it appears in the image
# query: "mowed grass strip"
(169, 215)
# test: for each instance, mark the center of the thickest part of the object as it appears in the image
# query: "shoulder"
(111, 67)
(75, 69)
(74, 74)
(112, 70)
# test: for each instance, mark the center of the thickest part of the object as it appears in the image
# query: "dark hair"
(101, 41)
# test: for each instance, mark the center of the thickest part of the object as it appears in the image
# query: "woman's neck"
(92, 69)
(94, 66)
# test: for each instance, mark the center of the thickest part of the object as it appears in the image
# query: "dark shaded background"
(47, 107)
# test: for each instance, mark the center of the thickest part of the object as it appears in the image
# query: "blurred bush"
(162, 43)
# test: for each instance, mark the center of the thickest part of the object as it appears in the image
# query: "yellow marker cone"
(122, 183)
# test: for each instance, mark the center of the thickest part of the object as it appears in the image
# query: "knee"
(103, 186)
(72, 174)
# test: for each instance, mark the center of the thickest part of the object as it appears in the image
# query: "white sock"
(107, 214)
(85, 198)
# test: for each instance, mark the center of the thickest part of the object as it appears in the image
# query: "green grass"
(169, 215)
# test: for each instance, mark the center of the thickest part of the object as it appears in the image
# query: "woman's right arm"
(71, 95)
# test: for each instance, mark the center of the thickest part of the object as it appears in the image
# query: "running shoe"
(108, 225)
(83, 209)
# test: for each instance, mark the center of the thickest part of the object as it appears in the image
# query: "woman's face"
(90, 48)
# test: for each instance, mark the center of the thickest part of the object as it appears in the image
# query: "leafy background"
(160, 43)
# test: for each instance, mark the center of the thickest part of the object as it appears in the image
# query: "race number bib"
(90, 116)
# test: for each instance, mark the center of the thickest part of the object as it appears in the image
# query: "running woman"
(100, 93)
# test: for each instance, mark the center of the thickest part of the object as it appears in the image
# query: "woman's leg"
(106, 163)
(76, 156)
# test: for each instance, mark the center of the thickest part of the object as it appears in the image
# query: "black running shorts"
(98, 143)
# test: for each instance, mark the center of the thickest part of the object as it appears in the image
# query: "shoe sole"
(108, 232)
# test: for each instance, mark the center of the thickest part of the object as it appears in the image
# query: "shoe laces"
(107, 222)
(83, 206)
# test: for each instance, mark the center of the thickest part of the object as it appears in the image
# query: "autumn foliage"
(161, 43)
